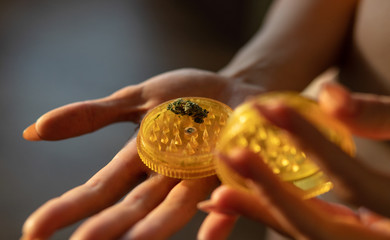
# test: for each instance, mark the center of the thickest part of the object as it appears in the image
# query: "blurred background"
(57, 52)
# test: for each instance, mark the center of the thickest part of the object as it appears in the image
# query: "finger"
(366, 115)
(217, 226)
(284, 206)
(303, 219)
(353, 181)
(101, 191)
(174, 212)
(230, 202)
(114, 221)
(84, 117)
(374, 221)
(31, 134)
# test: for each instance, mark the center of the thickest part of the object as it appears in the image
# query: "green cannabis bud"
(188, 108)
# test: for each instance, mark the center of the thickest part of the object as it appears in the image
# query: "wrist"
(269, 74)
(249, 71)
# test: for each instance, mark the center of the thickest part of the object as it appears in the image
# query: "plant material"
(181, 107)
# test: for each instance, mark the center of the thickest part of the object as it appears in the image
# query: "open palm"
(155, 206)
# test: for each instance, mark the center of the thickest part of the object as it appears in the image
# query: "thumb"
(365, 115)
(84, 117)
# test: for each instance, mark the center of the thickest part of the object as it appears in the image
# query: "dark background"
(57, 52)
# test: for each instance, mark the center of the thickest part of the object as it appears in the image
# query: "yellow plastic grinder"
(177, 138)
(246, 128)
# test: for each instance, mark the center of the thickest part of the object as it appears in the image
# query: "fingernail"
(335, 98)
(373, 220)
(206, 206)
(382, 226)
(30, 133)
(209, 206)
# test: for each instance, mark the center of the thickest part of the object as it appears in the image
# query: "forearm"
(298, 41)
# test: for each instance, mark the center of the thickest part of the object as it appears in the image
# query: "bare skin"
(157, 200)
(294, 47)
(363, 68)
(283, 209)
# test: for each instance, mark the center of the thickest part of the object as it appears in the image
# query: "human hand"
(280, 205)
(158, 206)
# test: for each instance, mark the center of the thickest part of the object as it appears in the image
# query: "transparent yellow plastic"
(178, 146)
(247, 129)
